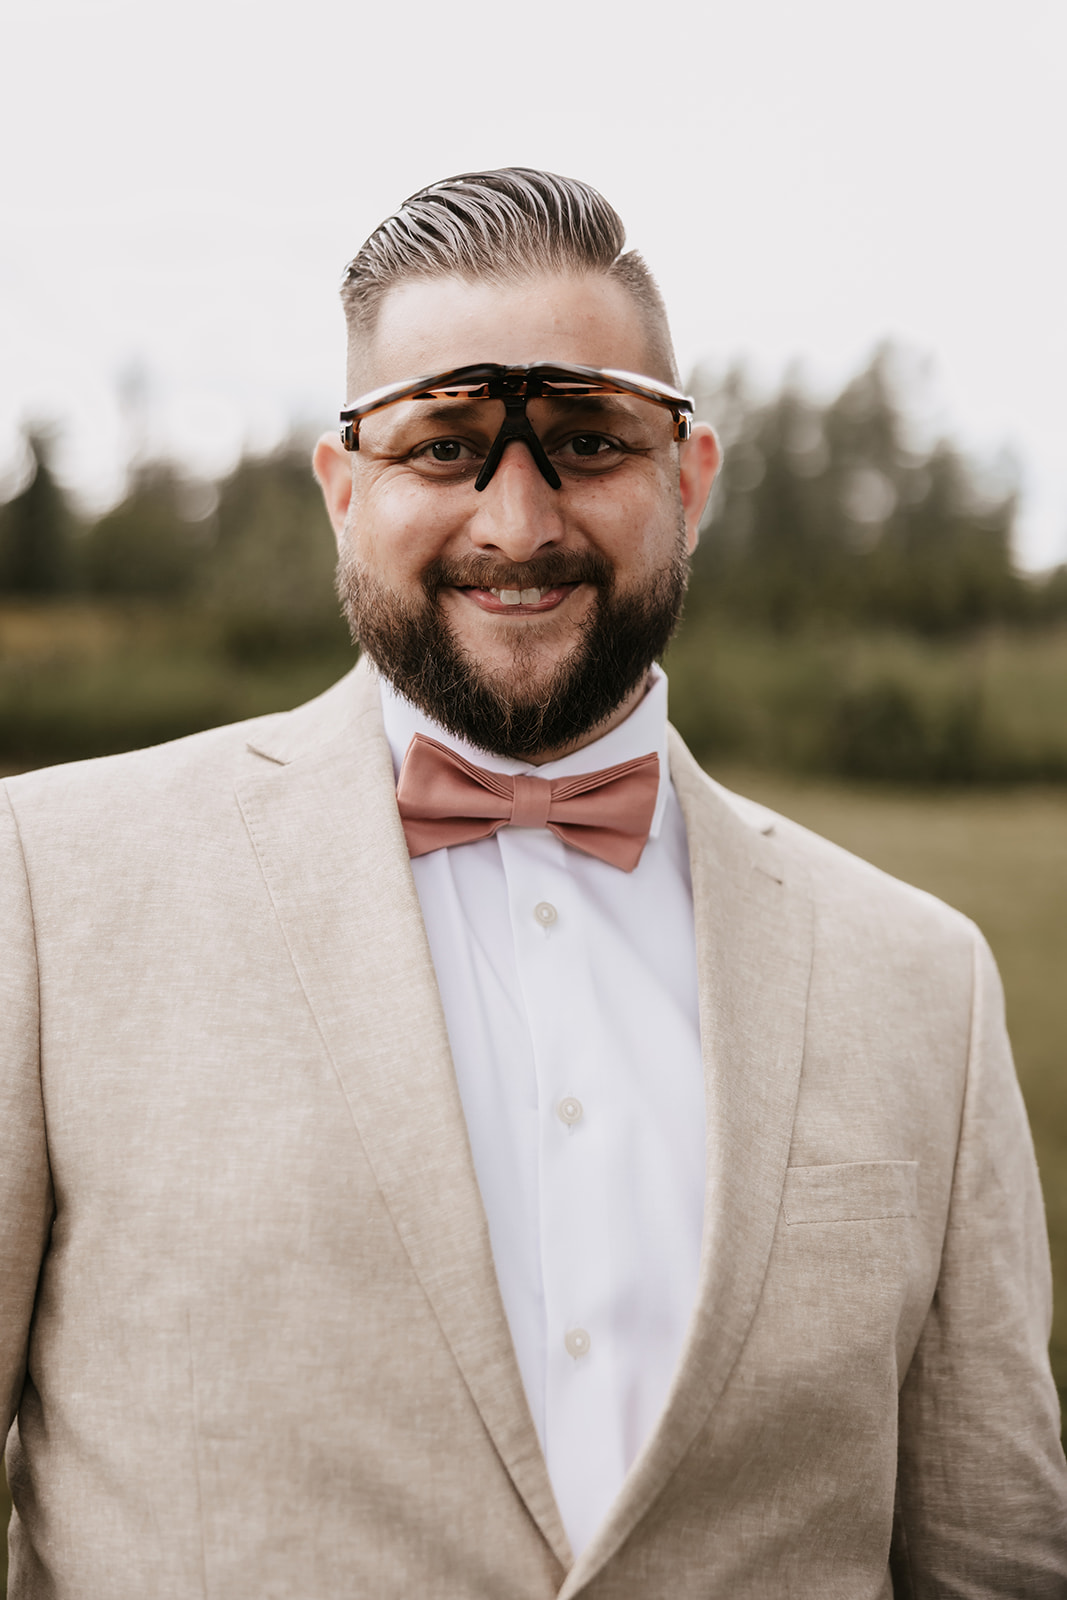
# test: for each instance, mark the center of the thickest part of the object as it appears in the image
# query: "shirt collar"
(643, 732)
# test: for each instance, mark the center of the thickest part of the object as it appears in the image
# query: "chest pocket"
(851, 1191)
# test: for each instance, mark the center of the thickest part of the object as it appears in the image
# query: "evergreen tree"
(148, 544)
(830, 513)
(36, 529)
(271, 577)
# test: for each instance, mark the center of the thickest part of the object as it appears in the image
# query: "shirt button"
(577, 1343)
(546, 914)
(569, 1111)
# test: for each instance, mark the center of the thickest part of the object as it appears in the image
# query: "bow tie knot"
(531, 801)
(444, 800)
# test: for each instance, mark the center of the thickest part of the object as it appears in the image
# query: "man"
(452, 1148)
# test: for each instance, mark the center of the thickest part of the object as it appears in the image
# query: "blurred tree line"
(254, 553)
(851, 598)
(838, 513)
(825, 512)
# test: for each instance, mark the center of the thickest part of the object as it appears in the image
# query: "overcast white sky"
(181, 185)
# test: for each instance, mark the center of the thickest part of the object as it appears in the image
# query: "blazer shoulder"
(842, 885)
(190, 772)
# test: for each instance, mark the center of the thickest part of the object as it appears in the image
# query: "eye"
(444, 450)
(590, 444)
(585, 452)
(437, 454)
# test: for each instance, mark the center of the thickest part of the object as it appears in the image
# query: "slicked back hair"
(505, 227)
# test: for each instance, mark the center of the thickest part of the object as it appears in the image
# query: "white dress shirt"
(570, 994)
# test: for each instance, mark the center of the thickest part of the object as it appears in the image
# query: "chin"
(541, 692)
(516, 673)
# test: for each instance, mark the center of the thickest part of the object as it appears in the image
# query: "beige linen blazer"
(249, 1323)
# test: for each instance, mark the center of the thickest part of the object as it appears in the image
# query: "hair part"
(506, 226)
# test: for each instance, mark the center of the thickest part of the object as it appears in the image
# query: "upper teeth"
(519, 597)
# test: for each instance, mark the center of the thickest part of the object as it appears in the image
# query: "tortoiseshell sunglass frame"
(514, 386)
(543, 380)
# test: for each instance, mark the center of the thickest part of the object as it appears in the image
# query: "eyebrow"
(435, 411)
(600, 404)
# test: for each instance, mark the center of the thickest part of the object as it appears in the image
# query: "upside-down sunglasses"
(515, 386)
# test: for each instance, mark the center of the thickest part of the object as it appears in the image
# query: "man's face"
(430, 568)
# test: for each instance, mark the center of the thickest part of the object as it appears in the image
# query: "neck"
(540, 758)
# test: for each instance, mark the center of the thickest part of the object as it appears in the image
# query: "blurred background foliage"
(855, 607)
(186, 605)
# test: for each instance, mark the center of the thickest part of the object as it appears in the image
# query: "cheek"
(397, 527)
(636, 530)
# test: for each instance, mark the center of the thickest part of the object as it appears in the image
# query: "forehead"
(432, 325)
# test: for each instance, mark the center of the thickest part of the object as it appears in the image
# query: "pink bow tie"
(446, 800)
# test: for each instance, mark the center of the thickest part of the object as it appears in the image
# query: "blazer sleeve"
(982, 1483)
(26, 1201)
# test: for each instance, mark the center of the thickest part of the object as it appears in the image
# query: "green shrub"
(884, 706)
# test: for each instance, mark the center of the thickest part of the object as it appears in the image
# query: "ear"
(332, 466)
(699, 459)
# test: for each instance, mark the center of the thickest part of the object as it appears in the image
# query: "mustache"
(540, 572)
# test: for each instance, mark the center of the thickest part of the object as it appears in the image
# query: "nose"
(517, 513)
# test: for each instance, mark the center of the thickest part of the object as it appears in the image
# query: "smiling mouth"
(520, 602)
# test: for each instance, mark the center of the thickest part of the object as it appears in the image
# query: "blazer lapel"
(322, 816)
(754, 950)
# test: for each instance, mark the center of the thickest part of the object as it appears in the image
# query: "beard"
(412, 646)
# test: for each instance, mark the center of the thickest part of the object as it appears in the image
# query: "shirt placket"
(583, 1437)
